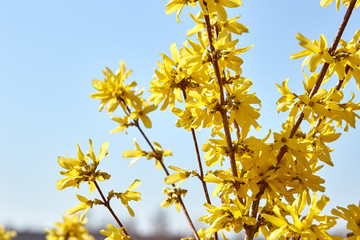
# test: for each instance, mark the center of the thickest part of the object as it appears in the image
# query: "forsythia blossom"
(113, 91)
(78, 170)
(325, 3)
(6, 234)
(70, 229)
(114, 233)
(138, 152)
(128, 195)
(316, 51)
(85, 204)
(173, 197)
(351, 214)
(299, 226)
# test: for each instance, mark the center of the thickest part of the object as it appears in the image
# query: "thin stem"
(193, 229)
(206, 192)
(158, 157)
(236, 126)
(107, 205)
(199, 161)
(200, 167)
(300, 118)
(157, 154)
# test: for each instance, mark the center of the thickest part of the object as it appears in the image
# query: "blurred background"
(51, 50)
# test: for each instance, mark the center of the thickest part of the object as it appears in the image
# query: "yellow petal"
(134, 185)
(173, 178)
(306, 43)
(174, 52)
(325, 3)
(274, 220)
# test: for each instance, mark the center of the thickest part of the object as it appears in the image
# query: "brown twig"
(199, 161)
(158, 157)
(107, 205)
(223, 112)
(201, 177)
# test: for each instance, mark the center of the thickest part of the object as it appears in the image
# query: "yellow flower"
(114, 233)
(287, 100)
(6, 234)
(316, 52)
(328, 104)
(71, 228)
(227, 52)
(174, 196)
(347, 2)
(325, 3)
(78, 170)
(84, 205)
(112, 91)
(205, 108)
(347, 57)
(316, 104)
(195, 59)
(211, 6)
(124, 122)
(141, 112)
(138, 152)
(299, 227)
(283, 139)
(326, 133)
(178, 5)
(230, 24)
(224, 180)
(185, 118)
(180, 175)
(351, 214)
(175, 76)
(240, 104)
(130, 195)
(215, 150)
(231, 215)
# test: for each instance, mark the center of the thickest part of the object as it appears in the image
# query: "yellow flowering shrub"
(271, 180)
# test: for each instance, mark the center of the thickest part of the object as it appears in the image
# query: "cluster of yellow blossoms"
(6, 234)
(78, 170)
(271, 179)
(70, 229)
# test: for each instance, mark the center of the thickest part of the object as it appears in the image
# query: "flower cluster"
(325, 3)
(71, 228)
(351, 215)
(298, 226)
(78, 170)
(114, 233)
(173, 196)
(6, 234)
(114, 92)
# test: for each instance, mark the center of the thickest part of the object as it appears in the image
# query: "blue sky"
(50, 52)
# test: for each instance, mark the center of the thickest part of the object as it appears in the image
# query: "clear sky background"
(51, 50)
